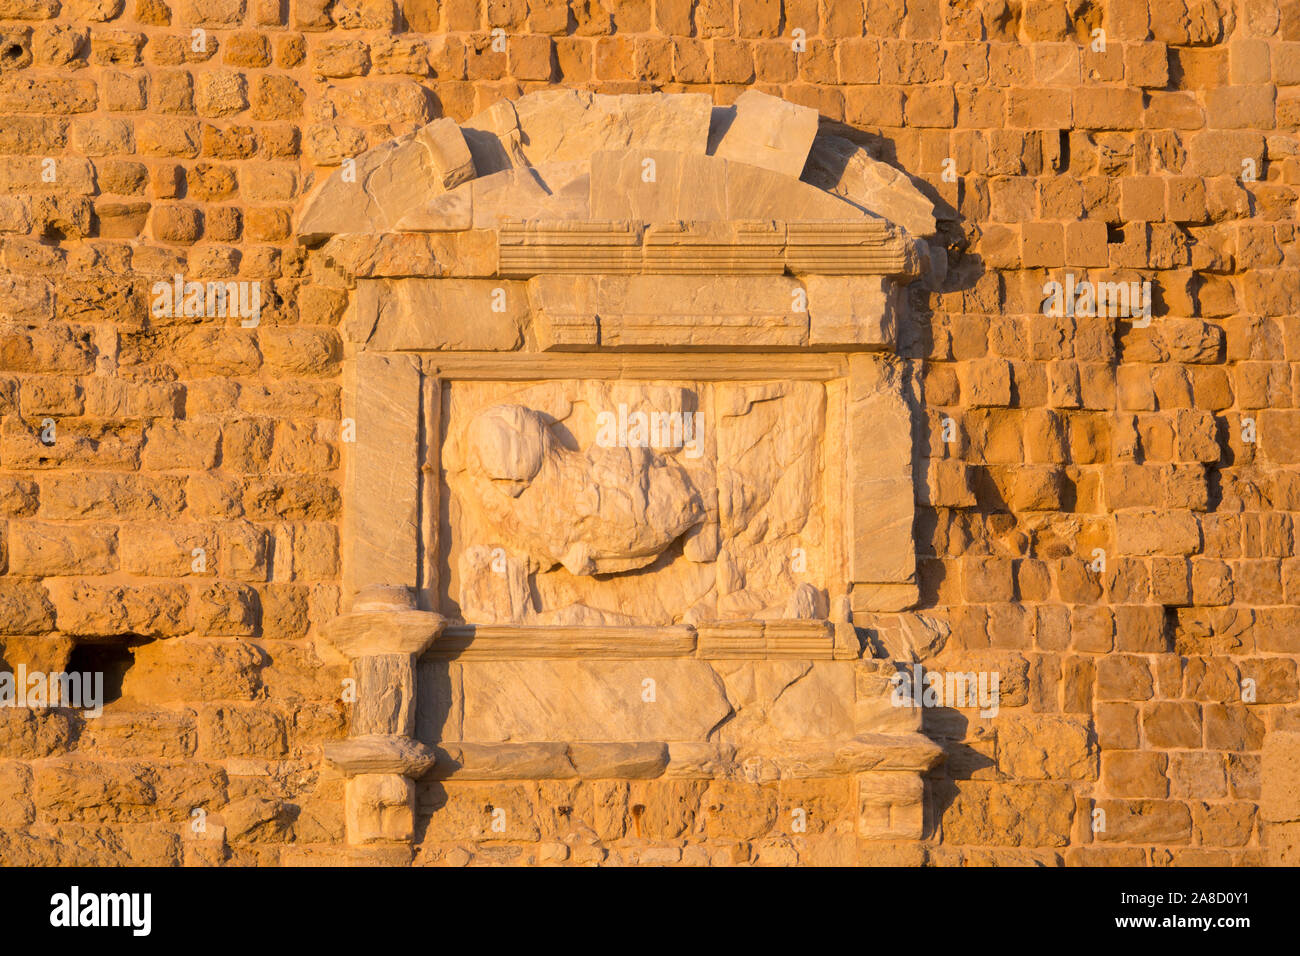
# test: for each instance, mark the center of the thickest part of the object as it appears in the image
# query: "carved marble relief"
(627, 503)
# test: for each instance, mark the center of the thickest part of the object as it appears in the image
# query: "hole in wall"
(111, 657)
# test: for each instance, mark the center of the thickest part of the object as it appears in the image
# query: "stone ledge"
(905, 754)
(376, 753)
(364, 633)
(806, 640)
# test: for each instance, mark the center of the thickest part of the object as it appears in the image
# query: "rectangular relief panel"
(631, 502)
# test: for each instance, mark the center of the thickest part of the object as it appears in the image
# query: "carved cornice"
(828, 247)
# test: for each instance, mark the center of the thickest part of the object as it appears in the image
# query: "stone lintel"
(848, 313)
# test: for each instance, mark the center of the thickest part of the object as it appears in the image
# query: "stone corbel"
(382, 637)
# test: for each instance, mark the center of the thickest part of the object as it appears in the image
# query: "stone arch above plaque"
(622, 379)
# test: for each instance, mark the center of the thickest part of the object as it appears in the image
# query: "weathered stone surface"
(880, 474)
(563, 125)
(1047, 748)
(861, 312)
(850, 172)
(765, 131)
(890, 806)
(380, 532)
(619, 761)
(1279, 798)
(374, 191)
(380, 807)
(379, 754)
(577, 700)
(459, 314)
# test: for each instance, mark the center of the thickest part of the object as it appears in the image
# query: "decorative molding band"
(740, 640)
(469, 642)
(615, 247)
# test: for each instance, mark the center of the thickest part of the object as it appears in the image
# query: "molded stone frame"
(650, 237)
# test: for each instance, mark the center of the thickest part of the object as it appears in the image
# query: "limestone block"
(752, 311)
(881, 546)
(443, 314)
(850, 172)
(659, 186)
(385, 695)
(493, 138)
(554, 191)
(891, 806)
(559, 125)
(1047, 748)
(453, 211)
(668, 700)
(593, 248)
(379, 807)
(755, 193)
(386, 182)
(870, 598)
(714, 248)
(765, 131)
(424, 255)
(381, 529)
(693, 760)
(874, 706)
(846, 246)
(852, 311)
(913, 753)
(471, 643)
(767, 640)
(1279, 799)
(820, 705)
(904, 637)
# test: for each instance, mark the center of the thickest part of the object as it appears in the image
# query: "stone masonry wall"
(1105, 510)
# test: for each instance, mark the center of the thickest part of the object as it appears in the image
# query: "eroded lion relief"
(580, 502)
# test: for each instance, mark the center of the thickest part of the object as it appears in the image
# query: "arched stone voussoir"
(640, 185)
(847, 170)
(566, 125)
(567, 155)
(553, 191)
(381, 185)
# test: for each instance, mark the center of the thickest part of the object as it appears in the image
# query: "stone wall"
(1103, 503)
